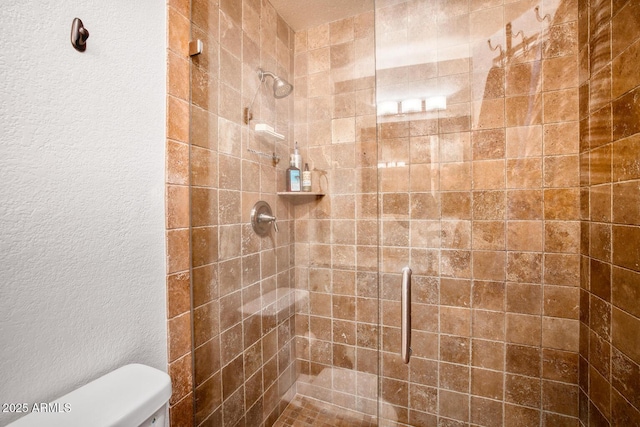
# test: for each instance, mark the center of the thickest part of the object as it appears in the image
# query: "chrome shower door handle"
(405, 303)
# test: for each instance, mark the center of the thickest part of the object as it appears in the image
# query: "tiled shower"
(515, 205)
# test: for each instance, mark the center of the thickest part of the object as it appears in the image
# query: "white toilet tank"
(131, 396)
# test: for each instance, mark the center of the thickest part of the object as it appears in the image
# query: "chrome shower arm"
(281, 89)
(264, 74)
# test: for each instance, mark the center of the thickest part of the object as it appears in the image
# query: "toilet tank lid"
(122, 398)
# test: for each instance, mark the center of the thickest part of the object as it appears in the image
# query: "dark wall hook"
(79, 35)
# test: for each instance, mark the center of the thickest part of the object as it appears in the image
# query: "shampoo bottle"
(297, 158)
(306, 178)
(293, 176)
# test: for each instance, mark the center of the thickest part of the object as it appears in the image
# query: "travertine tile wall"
(609, 39)
(336, 236)
(177, 212)
(481, 200)
(486, 211)
(241, 307)
(242, 296)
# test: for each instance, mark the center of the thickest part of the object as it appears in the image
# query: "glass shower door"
(336, 235)
(477, 110)
(410, 227)
(242, 283)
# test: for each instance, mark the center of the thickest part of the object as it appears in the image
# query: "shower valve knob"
(268, 218)
(262, 217)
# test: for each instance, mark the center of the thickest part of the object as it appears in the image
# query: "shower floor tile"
(303, 412)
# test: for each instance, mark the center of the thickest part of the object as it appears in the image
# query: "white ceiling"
(304, 14)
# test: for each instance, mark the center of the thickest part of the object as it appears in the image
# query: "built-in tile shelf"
(300, 194)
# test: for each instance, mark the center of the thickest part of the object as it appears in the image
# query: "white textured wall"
(82, 136)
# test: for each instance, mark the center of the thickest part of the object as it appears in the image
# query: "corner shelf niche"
(318, 190)
(300, 197)
(300, 194)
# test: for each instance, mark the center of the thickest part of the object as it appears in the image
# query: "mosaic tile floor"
(305, 412)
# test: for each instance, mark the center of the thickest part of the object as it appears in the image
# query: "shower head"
(281, 87)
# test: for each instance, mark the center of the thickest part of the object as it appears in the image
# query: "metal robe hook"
(79, 35)
(525, 46)
(519, 33)
(494, 48)
(546, 17)
(501, 57)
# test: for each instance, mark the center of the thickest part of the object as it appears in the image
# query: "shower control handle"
(262, 218)
(268, 218)
(405, 306)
